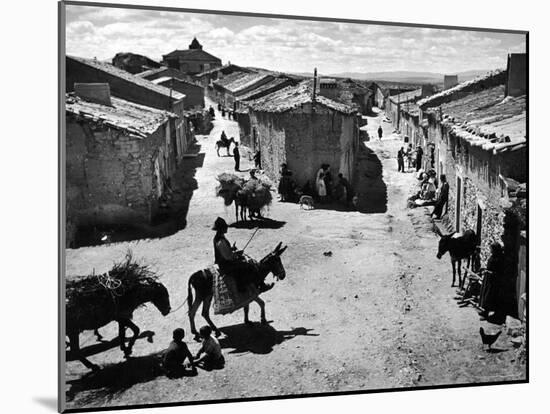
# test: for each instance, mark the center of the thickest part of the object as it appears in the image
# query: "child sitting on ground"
(176, 354)
(213, 357)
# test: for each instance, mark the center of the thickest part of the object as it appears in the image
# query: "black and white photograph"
(272, 206)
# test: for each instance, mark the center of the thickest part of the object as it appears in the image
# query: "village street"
(378, 312)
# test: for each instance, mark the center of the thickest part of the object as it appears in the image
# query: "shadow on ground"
(103, 346)
(262, 223)
(257, 338)
(372, 192)
(113, 379)
(171, 217)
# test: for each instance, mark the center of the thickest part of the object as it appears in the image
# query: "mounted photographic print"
(257, 206)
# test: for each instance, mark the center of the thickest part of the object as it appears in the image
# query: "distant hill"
(411, 76)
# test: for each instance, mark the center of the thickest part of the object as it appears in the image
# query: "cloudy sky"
(286, 45)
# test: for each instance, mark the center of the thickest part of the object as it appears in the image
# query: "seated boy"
(176, 354)
(213, 357)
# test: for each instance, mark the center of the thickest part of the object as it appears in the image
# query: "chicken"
(488, 339)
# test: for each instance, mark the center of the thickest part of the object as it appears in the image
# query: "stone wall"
(111, 177)
(305, 139)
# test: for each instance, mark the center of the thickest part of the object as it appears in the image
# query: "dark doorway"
(479, 223)
(458, 202)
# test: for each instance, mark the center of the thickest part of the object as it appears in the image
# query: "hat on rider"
(219, 224)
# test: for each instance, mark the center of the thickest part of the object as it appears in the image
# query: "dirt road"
(377, 313)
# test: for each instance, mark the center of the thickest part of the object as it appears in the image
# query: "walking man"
(380, 132)
(237, 157)
(400, 160)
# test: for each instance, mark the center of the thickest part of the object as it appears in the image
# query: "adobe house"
(117, 155)
(346, 91)
(295, 127)
(138, 90)
(191, 61)
(480, 137)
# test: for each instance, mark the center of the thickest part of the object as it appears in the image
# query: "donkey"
(224, 143)
(91, 311)
(460, 246)
(202, 283)
(232, 192)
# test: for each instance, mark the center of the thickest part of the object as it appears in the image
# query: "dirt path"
(377, 313)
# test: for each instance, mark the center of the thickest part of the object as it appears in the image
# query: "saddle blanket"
(227, 298)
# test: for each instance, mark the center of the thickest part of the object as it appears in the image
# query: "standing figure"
(409, 153)
(327, 178)
(442, 197)
(400, 160)
(237, 157)
(258, 160)
(320, 184)
(419, 153)
(380, 132)
(347, 186)
(212, 112)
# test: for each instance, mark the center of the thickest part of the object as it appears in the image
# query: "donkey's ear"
(281, 251)
(278, 247)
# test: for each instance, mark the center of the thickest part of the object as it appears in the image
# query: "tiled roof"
(294, 96)
(243, 82)
(487, 119)
(119, 73)
(220, 68)
(497, 77)
(266, 86)
(407, 96)
(163, 79)
(138, 120)
(151, 72)
(192, 54)
(226, 80)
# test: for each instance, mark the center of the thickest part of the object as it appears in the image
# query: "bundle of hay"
(84, 294)
(258, 193)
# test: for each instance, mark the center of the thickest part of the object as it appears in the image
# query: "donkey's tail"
(190, 292)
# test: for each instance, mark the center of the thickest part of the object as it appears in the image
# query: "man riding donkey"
(232, 261)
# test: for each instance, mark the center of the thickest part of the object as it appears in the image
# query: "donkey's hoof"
(264, 322)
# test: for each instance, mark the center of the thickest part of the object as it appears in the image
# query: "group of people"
(340, 190)
(178, 360)
(413, 157)
(432, 192)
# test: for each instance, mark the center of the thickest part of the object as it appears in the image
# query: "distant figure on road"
(258, 160)
(409, 154)
(400, 160)
(419, 153)
(237, 157)
(212, 112)
(380, 132)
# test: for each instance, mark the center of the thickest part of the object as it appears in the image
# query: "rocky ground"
(376, 313)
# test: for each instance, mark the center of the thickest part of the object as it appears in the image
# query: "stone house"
(294, 127)
(138, 90)
(117, 156)
(162, 71)
(193, 60)
(241, 105)
(346, 91)
(480, 138)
